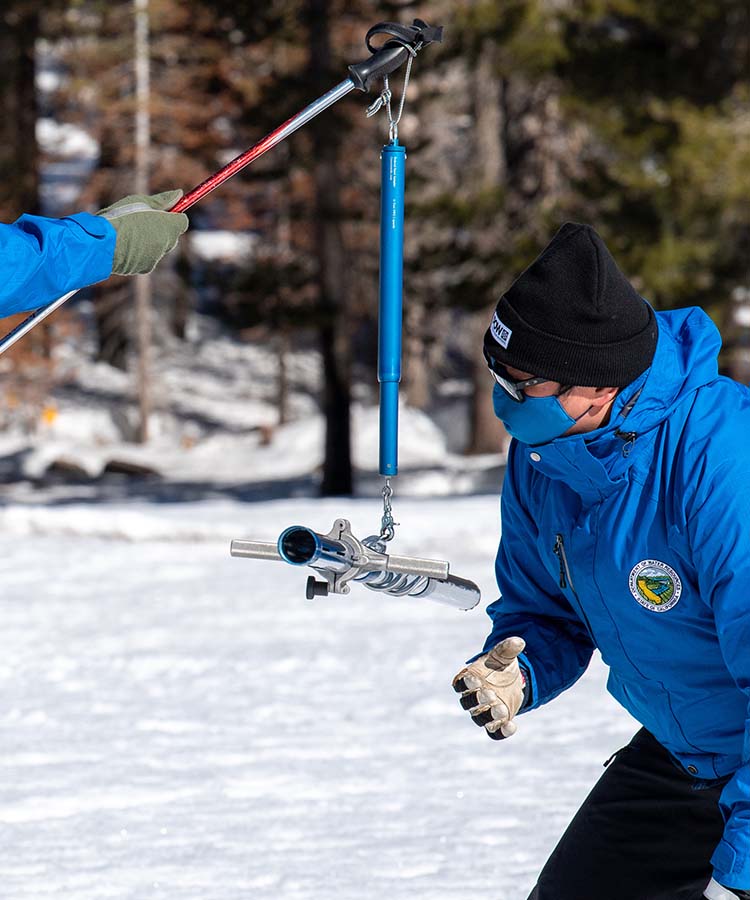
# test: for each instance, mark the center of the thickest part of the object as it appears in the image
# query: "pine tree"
(196, 70)
(29, 370)
(309, 272)
(496, 154)
(665, 93)
(19, 163)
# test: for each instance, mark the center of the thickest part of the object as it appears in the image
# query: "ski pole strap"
(403, 41)
(414, 36)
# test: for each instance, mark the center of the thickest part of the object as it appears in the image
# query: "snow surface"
(63, 139)
(222, 245)
(180, 724)
(215, 423)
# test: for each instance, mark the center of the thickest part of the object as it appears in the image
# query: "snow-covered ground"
(176, 723)
(179, 724)
(215, 427)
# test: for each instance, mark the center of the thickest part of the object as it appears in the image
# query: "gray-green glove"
(145, 231)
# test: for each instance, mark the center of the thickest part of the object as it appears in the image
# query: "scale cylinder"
(393, 168)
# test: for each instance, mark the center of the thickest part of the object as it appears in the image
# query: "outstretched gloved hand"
(716, 891)
(146, 232)
(491, 688)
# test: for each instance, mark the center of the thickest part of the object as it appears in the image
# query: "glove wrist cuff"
(715, 891)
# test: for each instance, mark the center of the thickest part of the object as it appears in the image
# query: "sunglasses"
(514, 389)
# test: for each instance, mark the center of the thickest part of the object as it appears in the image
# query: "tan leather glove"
(491, 688)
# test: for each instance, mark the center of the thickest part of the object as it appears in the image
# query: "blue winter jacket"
(635, 539)
(42, 259)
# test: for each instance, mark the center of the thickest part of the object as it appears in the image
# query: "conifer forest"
(631, 116)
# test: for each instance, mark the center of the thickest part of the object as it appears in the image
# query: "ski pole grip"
(381, 63)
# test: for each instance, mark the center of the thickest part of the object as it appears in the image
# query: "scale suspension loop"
(387, 525)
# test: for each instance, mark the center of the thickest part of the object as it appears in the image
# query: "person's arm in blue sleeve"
(531, 606)
(43, 259)
(722, 560)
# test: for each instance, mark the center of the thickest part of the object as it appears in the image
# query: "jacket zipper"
(567, 581)
(562, 559)
(628, 439)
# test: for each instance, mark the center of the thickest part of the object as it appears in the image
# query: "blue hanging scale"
(392, 181)
(393, 163)
(339, 557)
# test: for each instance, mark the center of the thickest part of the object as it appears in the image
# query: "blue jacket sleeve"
(43, 259)
(558, 646)
(723, 563)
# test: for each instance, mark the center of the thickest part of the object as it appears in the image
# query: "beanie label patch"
(500, 332)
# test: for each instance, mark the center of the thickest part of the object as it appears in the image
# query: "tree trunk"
(489, 119)
(110, 313)
(142, 283)
(19, 154)
(332, 272)
(416, 368)
(282, 395)
(179, 311)
(486, 434)
(111, 299)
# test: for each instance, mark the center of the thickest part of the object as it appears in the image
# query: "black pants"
(645, 832)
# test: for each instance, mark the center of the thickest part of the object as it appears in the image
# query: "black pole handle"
(381, 63)
(403, 41)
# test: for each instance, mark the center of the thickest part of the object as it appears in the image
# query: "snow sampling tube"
(400, 576)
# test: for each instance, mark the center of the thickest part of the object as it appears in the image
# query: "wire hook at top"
(387, 95)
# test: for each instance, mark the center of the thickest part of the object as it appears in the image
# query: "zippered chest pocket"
(565, 581)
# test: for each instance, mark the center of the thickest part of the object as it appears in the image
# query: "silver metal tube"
(314, 109)
(255, 550)
(301, 546)
(412, 565)
(456, 592)
(34, 319)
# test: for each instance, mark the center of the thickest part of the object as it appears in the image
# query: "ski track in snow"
(180, 724)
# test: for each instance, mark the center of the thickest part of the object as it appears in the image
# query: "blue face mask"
(537, 420)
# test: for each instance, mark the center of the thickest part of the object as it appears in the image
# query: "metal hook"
(377, 104)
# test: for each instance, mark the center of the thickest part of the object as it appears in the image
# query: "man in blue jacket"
(42, 259)
(625, 528)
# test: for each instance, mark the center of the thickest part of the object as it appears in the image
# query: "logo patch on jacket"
(655, 585)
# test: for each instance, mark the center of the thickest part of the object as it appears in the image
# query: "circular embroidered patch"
(655, 585)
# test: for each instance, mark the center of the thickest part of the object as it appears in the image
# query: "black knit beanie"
(573, 317)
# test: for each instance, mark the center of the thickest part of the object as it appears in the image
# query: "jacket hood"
(686, 358)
